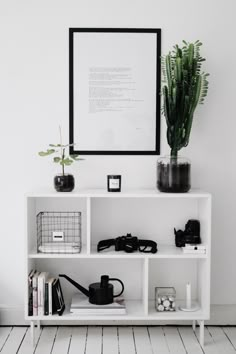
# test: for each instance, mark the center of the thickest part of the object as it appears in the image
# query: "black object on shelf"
(173, 175)
(128, 244)
(114, 183)
(98, 293)
(64, 183)
(58, 304)
(191, 234)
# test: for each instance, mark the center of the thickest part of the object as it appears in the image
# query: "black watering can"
(98, 293)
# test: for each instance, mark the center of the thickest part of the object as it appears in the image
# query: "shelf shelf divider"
(145, 284)
(88, 219)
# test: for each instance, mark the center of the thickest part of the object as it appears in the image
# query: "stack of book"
(80, 305)
(44, 294)
(194, 249)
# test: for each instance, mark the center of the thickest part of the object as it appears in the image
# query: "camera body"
(126, 243)
(191, 234)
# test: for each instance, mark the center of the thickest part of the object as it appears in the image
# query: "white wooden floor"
(117, 340)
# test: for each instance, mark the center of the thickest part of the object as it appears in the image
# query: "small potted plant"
(63, 182)
(185, 86)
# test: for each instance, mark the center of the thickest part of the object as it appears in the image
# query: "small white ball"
(166, 303)
(160, 308)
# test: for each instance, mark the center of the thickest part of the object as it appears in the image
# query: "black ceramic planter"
(173, 175)
(64, 183)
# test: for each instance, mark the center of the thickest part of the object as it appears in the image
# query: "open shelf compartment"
(86, 271)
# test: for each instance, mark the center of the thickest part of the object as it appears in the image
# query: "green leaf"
(66, 162)
(57, 159)
(55, 145)
(46, 153)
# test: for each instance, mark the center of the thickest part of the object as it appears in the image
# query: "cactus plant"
(185, 86)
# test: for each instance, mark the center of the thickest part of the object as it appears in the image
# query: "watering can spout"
(78, 286)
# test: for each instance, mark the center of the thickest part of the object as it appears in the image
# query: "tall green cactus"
(185, 86)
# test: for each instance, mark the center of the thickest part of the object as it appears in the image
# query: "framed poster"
(114, 91)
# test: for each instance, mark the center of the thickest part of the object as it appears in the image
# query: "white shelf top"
(164, 251)
(129, 193)
(175, 315)
(134, 312)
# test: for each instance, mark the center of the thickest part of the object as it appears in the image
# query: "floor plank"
(4, 333)
(46, 340)
(94, 340)
(231, 334)
(126, 340)
(142, 340)
(174, 341)
(62, 341)
(78, 340)
(221, 341)
(121, 340)
(110, 340)
(14, 340)
(189, 340)
(26, 345)
(158, 340)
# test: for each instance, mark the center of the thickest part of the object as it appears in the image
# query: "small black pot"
(173, 175)
(64, 183)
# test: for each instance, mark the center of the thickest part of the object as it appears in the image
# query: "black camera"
(126, 243)
(191, 234)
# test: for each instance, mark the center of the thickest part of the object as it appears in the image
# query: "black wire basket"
(59, 232)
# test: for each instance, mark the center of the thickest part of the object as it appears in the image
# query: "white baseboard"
(221, 315)
(12, 316)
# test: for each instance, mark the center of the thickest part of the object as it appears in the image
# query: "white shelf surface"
(135, 311)
(35, 254)
(129, 193)
(175, 315)
(164, 251)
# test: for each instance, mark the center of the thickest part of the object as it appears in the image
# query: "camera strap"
(102, 245)
(147, 246)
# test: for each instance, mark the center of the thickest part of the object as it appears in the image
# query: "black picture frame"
(73, 147)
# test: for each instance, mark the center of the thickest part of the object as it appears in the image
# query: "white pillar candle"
(188, 296)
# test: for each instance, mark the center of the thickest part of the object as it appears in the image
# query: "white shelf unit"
(147, 214)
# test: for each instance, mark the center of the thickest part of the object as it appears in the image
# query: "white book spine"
(194, 251)
(193, 247)
(41, 293)
(98, 312)
(50, 298)
(35, 296)
(40, 296)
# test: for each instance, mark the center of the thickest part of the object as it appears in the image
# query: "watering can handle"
(122, 285)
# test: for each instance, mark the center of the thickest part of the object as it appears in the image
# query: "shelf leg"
(38, 325)
(194, 325)
(201, 334)
(32, 332)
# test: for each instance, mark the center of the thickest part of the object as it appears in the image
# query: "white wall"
(34, 101)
